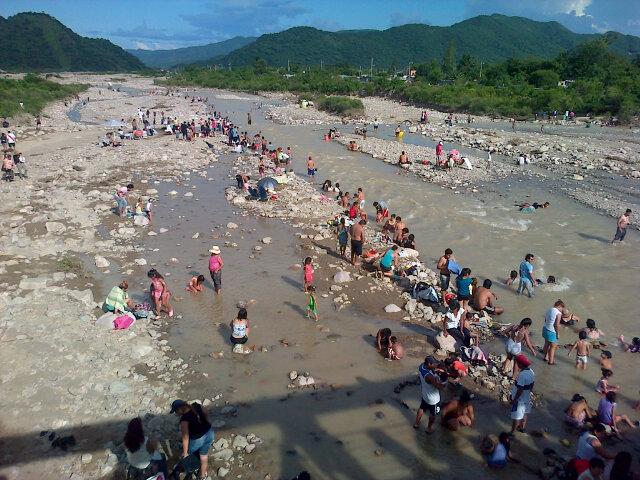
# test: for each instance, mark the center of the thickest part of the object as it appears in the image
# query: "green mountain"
(491, 38)
(182, 56)
(39, 42)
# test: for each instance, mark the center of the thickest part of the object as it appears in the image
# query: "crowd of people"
(13, 161)
(462, 301)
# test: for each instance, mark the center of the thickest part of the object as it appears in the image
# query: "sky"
(167, 24)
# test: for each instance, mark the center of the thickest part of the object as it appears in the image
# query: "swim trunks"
(582, 358)
(620, 234)
(356, 247)
(433, 410)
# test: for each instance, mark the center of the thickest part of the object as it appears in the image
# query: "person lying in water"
(395, 350)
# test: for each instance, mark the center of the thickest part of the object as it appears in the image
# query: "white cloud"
(142, 46)
(576, 7)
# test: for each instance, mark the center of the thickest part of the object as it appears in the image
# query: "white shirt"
(550, 318)
(453, 321)
(430, 393)
(525, 381)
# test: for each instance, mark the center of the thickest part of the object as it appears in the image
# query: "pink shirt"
(214, 263)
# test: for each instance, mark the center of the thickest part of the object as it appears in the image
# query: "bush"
(344, 106)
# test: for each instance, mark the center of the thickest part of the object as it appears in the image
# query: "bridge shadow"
(317, 430)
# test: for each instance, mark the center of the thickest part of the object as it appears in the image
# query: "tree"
(430, 72)
(260, 66)
(469, 67)
(544, 78)
(449, 60)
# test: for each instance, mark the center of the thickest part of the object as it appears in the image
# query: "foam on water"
(563, 284)
(475, 213)
(520, 225)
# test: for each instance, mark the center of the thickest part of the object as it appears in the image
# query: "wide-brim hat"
(215, 250)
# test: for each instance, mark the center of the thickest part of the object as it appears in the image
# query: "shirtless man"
(311, 168)
(397, 234)
(484, 299)
(623, 222)
(357, 241)
(396, 350)
(403, 161)
(443, 266)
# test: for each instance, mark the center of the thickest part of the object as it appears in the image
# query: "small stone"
(342, 277)
(249, 448)
(392, 308)
(223, 472)
(232, 226)
(188, 194)
(140, 261)
(293, 375)
(86, 458)
(379, 452)
(195, 235)
(266, 240)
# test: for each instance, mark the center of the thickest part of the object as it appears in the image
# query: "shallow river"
(334, 433)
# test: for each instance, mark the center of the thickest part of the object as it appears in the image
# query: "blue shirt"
(525, 271)
(387, 259)
(463, 285)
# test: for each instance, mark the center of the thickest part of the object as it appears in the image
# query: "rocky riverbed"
(588, 170)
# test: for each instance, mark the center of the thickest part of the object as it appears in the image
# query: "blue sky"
(178, 23)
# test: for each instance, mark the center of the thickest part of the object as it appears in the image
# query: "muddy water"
(333, 433)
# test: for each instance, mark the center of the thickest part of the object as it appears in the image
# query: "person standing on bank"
(196, 431)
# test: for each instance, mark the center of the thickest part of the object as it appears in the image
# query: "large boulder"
(447, 343)
(342, 277)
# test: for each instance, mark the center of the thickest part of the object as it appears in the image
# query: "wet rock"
(220, 444)
(151, 191)
(229, 410)
(86, 458)
(266, 240)
(195, 235)
(163, 230)
(172, 192)
(392, 308)
(293, 375)
(101, 262)
(379, 452)
(188, 194)
(249, 448)
(257, 248)
(232, 226)
(140, 261)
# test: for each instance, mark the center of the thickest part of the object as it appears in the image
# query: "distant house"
(565, 83)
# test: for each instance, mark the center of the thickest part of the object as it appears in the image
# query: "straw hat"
(215, 250)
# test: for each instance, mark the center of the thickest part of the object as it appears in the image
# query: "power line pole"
(371, 70)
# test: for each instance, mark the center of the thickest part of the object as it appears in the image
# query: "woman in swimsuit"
(516, 334)
(160, 293)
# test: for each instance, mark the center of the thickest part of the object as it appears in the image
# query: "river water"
(334, 432)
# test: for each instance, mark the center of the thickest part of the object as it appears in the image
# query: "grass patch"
(343, 106)
(34, 92)
(69, 264)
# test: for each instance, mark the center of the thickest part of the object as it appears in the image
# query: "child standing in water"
(160, 293)
(583, 349)
(312, 307)
(308, 273)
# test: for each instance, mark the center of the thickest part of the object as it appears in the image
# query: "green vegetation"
(489, 38)
(603, 83)
(39, 42)
(69, 264)
(343, 106)
(34, 92)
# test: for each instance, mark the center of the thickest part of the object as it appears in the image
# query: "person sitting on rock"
(118, 300)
